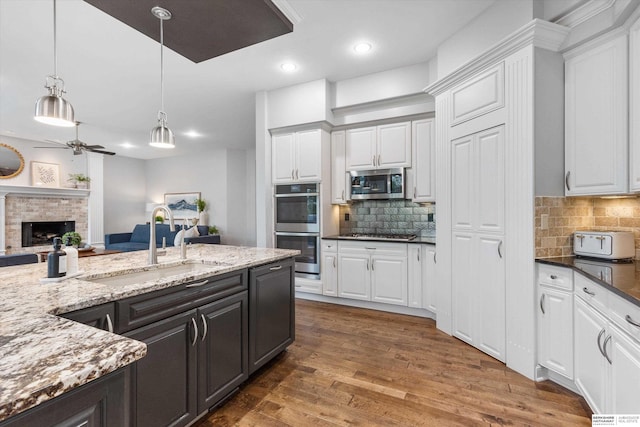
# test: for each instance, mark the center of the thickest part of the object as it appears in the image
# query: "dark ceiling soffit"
(202, 29)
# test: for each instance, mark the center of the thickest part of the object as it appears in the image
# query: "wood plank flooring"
(351, 366)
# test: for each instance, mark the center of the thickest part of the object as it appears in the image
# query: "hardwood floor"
(351, 366)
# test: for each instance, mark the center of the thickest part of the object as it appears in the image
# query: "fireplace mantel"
(24, 190)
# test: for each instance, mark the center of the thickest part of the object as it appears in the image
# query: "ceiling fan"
(78, 146)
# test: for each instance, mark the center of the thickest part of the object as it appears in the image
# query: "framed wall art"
(182, 205)
(45, 174)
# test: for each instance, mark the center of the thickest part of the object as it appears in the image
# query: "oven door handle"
(286, 233)
(297, 195)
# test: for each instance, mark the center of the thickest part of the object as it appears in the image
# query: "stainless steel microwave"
(377, 184)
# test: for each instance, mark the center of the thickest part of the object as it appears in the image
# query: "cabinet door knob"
(204, 327)
(373, 160)
(604, 349)
(342, 195)
(588, 292)
(195, 332)
(566, 180)
(553, 277)
(334, 262)
(434, 258)
(630, 320)
(499, 249)
(542, 304)
(599, 338)
(379, 160)
(278, 267)
(110, 323)
(418, 254)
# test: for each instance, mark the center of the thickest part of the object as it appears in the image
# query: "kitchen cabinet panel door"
(423, 161)
(165, 379)
(338, 168)
(308, 155)
(464, 284)
(414, 265)
(634, 105)
(361, 148)
(490, 180)
(624, 352)
(590, 364)
(596, 110)
(389, 279)
(354, 276)
(463, 183)
(283, 158)
(429, 279)
(394, 145)
(490, 297)
(330, 274)
(222, 348)
(555, 330)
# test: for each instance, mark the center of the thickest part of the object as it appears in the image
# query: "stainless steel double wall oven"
(297, 224)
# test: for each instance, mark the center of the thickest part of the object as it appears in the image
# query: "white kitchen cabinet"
(415, 259)
(422, 279)
(373, 271)
(590, 363)
(596, 115)
(297, 157)
(555, 330)
(624, 374)
(423, 165)
(429, 280)
(329, 268)
(338, 168)
(478, 279)
(379, 147)
(634, 105)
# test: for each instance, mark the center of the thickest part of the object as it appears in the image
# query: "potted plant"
(201, 205)
(213, 230)
(79, 180)
(72, 238)
(160, 219)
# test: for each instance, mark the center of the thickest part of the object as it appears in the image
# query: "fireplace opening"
(42, 233)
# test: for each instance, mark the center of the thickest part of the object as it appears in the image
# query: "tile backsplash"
(388, 216)
(570, 214)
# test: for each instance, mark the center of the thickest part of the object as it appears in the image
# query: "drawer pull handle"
(373, 249)
(195, 285)
(542, 304)
(553, 277)
(418, 254)
(110, 323)
(204, 326)
(334, 262)
(195, 332)
(588, 292)
(276, 268)
(435, 261)
(499, 249)
(630, 320)
(604, 349)
(566, 180)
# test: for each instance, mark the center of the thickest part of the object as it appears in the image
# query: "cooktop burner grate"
(385, 236)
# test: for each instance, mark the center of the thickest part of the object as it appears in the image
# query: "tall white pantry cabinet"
(495, 116)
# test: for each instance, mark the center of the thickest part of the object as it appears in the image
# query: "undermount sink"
(156, 273)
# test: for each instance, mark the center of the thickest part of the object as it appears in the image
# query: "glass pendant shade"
(54, 110)
(161, 136)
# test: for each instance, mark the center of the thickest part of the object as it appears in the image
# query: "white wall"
(68, 163)
(239, 215)
(125, 188)
(495, 23)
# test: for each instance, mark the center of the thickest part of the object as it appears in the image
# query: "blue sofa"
(138, 239)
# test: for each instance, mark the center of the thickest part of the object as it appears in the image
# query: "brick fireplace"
(27, 208)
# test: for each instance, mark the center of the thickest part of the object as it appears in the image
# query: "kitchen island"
(43, 356)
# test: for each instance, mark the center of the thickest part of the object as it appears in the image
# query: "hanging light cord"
(162, 71)
(55, 44)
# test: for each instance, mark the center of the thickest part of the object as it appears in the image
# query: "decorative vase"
(204, 218)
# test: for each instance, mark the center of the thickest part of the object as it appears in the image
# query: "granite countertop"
(622, 278)
(43, 355)
(427, 240)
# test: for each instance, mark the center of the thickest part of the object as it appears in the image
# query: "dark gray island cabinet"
(204, 338)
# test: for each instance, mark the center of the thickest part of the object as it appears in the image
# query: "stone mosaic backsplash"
(570, 214)
(388, 216)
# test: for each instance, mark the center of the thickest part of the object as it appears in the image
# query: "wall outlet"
(346, 217)
(544, 221)
(430, 217)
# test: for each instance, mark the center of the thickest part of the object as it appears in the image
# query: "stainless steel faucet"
(153, 251)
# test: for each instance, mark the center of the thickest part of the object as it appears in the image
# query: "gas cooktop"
(381, 236)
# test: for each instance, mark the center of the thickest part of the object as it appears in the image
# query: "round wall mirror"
(11, 162)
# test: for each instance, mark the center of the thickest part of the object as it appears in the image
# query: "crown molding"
(584, 12)
(288, 11)
(537, 33)
(380, 104)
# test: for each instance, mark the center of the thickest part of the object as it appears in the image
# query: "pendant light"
(53, 109)
(161, 135)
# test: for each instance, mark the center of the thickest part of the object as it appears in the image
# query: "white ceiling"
(113, 80)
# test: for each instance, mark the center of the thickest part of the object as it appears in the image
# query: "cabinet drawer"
(373, 248)
(592, 293)
(329, 246)
(143, 309)
(557, 277)
(626, 315)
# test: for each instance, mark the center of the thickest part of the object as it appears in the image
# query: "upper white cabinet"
(338, 168)
(634, 105)
(297, 156)
(379, 147)
(596, 110)
(423, 160)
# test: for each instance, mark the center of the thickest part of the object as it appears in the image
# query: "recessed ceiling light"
(289, 67)
(127, 145)
(362, 47)
(192, 134)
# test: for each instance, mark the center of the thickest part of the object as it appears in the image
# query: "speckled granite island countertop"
(43, 355)
(621, 278)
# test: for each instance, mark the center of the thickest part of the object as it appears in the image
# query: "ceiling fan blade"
(92, 146)
(108, 153)
(64, 148)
